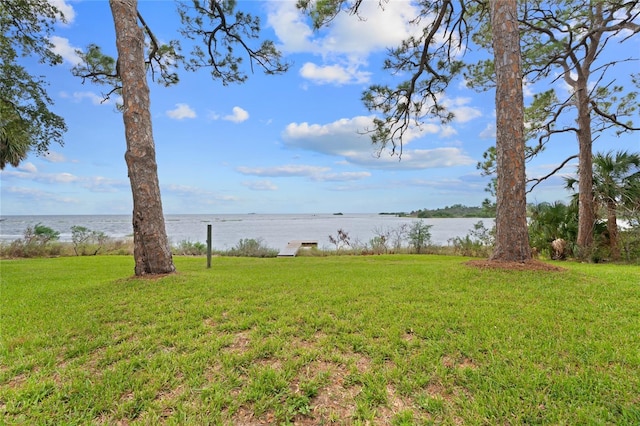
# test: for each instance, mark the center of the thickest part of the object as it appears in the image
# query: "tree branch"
(547, 176)
(612, 118)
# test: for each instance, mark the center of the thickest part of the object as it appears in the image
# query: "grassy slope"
(391, 339)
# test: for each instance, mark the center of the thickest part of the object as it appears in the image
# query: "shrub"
(341, 240)
(40, 234)
(630, 239)
(119, 247)
(36, 242)
(467, 246)
(249, 247)
(188, 248)
(419, 235)
(85, 241)
(378, 244)
(477, 243)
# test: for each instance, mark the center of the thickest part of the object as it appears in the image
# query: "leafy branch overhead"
(214, 23)
(430, 57)
(221, 30)
(26, 121)
(99, 68)
(567, 40)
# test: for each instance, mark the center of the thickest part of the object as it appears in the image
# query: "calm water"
(276, 230)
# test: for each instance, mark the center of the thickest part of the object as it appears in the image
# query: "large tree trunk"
(151, 247)
(586, 209)
(586, 202)
(512, 237)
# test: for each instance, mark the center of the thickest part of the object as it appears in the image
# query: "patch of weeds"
(265, 388)
(298, 404)
(374, 390)
(431, 404)
(403, 418)
(364, 412)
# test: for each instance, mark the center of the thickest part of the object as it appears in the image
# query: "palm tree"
(14, 142)
(553, 221)
(616, 183)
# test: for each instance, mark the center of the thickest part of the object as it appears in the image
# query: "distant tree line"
(456, 210)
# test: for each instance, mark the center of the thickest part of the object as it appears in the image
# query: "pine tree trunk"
(586, 202)
(151, 247)
(586, 209)
(512, 237)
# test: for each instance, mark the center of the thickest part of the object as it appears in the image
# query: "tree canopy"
(26, 121)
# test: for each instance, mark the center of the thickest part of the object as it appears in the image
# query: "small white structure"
(293, 246)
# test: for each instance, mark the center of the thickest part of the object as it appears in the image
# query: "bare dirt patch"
(17, 381)
(530, 265)
(241, 342)
(395, 405)
(246, 417)
(454, 362)
(336, 400)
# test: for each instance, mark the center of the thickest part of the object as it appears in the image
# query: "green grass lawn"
(399, 340)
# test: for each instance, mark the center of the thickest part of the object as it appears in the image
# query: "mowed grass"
(397, 340)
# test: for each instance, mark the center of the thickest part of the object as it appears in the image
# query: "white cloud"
(314, 173)
(489, 132)
(464, 184)
(527, 88)
(43, 177)
(103, 184)
(197, 193)
(344, 138)
(181, 112)
(62, 47)
(283, 171)
(448, 131)
(54, 157)
(93, 183)
(66, 9)
(260, 185)
(348, 41)
(290, 27)
(464, 114)
(377, 28)
(336, 74)
(62, 177)
(37, 195)
(460, 109)
(94, 98)
(347, 137)
(238, 116)
(342, 177)
(28, 167)
(418, 159)
(338, 138)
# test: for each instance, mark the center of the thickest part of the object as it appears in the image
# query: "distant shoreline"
(456, 211)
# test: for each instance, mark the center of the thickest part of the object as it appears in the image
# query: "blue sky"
(275, 144)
